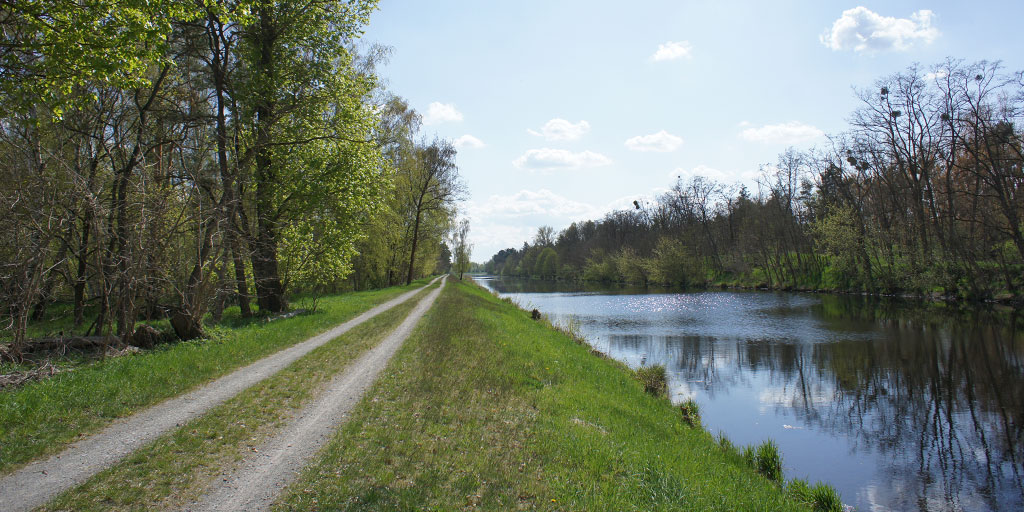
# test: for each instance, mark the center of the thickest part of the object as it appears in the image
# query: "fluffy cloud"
(711, 173)
(560, 129)
(547, 158)
(793, 132)
(672, 50)
(438, 112)
(861, 30)
(503, 221)
(531, 202)
(661, 142)
(468, 141)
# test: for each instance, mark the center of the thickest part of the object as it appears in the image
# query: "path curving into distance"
(38, 482)
(256, 483)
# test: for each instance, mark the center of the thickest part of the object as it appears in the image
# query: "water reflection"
(900, 405)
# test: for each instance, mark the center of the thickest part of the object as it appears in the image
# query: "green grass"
(177, 467)
(41, 418)
(484, 407)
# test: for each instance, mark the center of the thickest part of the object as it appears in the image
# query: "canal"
(899, 404)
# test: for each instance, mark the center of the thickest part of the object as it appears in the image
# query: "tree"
(434, 186)
(49, 48)
(308, 123)
(461, 247)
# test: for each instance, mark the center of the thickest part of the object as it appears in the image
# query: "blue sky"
(566, 110)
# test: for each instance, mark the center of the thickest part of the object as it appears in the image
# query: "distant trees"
(406, 234)
(922, 194)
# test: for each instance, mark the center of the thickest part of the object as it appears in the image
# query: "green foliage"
(672, 263)
(599, 268)
(821, 498)
(835, 234)
(768, 461)
(630, 267)
(547, 264)
(654, 379)
(691, 412)
(51, 48)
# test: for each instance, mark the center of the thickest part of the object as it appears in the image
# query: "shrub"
(653, 379)
(691, 412)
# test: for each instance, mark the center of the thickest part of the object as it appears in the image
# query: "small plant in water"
(726, 444)
(691, 412)
(571, 327)
(768, 461)
(653, 378)
(821, 497)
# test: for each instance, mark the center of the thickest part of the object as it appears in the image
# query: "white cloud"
(936, 75)
(626, 202)
(661, 142)
(861, 30)
(793, 132)
(547, 158)
(468, 141)
(438, 112)
(531, 202)
(724, 177)
(503, 221)
(560, 129)
(673, 50)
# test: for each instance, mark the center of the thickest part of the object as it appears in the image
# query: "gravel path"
(39, 482)
(260, 478)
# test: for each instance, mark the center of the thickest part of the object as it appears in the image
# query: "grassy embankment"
(42, 417)
(176, 468)
(484, 407)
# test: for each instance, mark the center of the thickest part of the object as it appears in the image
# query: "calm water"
(897, 404)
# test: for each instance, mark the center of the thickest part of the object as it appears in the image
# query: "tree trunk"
(240, 280)
(415, 241)
(269, 290)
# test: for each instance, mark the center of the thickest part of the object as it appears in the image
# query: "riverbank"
(743, 284)
(485, 407)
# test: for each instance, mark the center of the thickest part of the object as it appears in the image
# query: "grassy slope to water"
(484, 407)
(43, 417)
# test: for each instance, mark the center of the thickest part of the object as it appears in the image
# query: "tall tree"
(434, 187)
(304, 101)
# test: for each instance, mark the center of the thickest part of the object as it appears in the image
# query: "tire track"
(38, 482)
(256, 483)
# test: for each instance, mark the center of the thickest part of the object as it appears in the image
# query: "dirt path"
(38, 482)
(260, 478)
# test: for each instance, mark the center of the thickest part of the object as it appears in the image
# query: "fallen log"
(290, 314)
(70, 342)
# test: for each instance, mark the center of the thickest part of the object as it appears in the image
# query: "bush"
(691, 412)
(653, 379)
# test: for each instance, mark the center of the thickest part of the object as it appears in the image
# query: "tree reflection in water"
(932, 397)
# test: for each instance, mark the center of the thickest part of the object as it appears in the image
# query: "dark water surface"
(899, 405)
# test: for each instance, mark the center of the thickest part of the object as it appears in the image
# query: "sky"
(566, 110)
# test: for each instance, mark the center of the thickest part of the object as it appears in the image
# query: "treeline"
(177, 157)
(923, 194)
